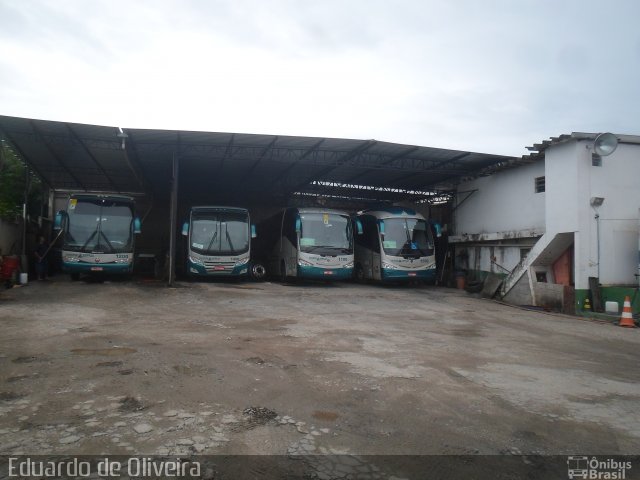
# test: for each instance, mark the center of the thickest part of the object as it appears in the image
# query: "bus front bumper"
(200, 270)
(319, 273)
(115, 268)
(397, 275)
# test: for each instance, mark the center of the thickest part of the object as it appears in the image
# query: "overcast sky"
(489, 76)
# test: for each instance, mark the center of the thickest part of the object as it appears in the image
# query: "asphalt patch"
(131, 404)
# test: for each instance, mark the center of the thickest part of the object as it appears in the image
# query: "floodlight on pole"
(604, 144)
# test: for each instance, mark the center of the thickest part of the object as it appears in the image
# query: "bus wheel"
(75, 277)
(258, 272)
(359, 273)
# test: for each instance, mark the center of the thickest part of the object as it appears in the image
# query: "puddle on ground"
(10, 396)
(19, 378)
(81, 330)
(29, 359)
(194, 370)
(466, 332)
(109, 364)
(109, 352)
(325, 415)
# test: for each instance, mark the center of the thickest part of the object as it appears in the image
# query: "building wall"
(571, 183)
(477, 258)
(505, 201)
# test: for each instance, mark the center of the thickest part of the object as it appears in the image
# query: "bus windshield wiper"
(213, 239)
(107, 240)
(226, 230)
(82, 249)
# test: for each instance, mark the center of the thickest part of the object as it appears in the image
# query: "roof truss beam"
(92, 157)
(55, 155)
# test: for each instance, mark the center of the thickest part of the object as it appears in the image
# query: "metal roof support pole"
(173, 219)
(24, 208)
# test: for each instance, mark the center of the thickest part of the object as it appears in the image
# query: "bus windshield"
(99, 225)
(407, 237)
(215, 233)
(325, 231)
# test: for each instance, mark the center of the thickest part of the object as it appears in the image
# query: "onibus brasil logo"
(597, 469)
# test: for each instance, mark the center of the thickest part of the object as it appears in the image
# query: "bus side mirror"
(253, 231)
(438, 229)
(57, 222)
(298, 225)
(358, 227)
(185, 228)
(381, 226)
(137, 226)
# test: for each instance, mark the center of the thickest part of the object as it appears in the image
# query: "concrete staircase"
(546, 250)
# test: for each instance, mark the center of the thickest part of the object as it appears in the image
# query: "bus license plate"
(96, 269)
(412, 274)
(328, 272)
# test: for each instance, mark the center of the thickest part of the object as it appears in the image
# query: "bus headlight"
(242, 262)
(195, 261)
(70, 258)
(348, 265)
(304, 263)
(389, 266)
(122, 260)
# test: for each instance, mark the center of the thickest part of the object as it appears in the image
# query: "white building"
(553, 219)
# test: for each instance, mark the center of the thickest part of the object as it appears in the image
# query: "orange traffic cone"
(627, 318)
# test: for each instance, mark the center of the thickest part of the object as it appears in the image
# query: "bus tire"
(258, 271)
(74, 277)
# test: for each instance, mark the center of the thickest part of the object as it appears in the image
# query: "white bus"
(312, 243)
(218, 241)
(98, 234)
(396, 244)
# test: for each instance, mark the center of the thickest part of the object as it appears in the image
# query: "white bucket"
(611, 307)
(24, 278)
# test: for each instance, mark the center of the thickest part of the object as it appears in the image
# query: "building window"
(539, 184)
(524, 252)
(596, 160)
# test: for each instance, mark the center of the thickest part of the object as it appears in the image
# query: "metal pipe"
(597, 217)
(24, 208)
(173, 219)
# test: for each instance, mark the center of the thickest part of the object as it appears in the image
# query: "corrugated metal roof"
(91, 157)
(565, 137)
(538, 150)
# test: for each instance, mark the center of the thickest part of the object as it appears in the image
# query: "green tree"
(13, 182)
